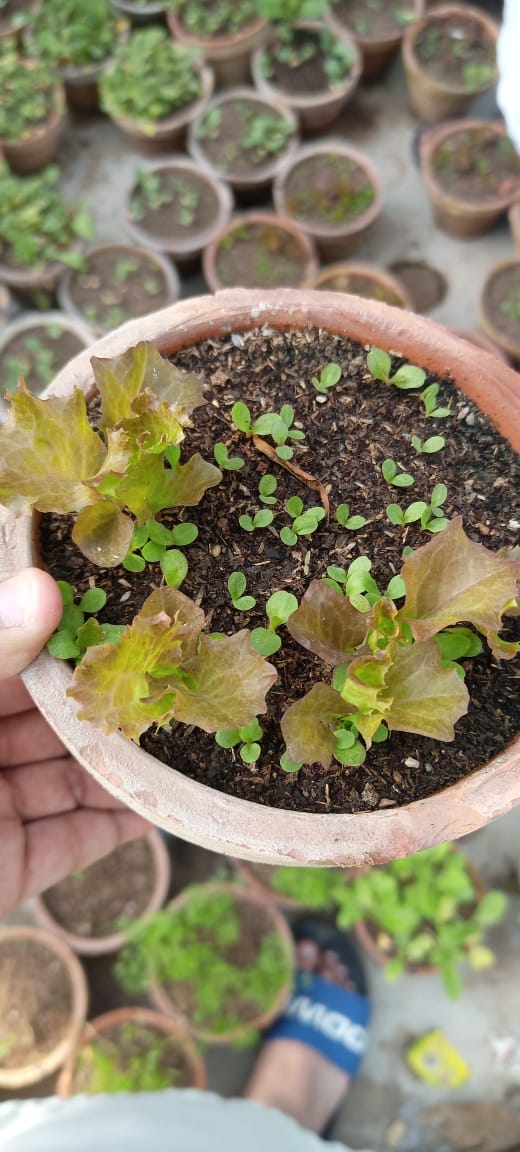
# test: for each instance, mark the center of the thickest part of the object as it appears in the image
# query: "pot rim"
(437, 135)
(157, 130)
(285, 223)
(263, 173)
(64, 285)
(184, 246)
(373, 271)
(369, 43)
(301, 102)
(319, 228)
(509, 346)
(215, 48)
(189, 809)
(413, 64)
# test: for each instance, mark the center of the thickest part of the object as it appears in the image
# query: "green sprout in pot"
(133, 1058)
(424, 912)
(29, 95)
(205, 21)
(293, 47)
(36, 225)
(72, 33)
(151, 78)
(219, 958)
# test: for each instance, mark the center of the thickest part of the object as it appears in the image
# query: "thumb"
(30, 609)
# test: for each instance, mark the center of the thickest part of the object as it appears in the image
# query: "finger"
(26, 738)
(30, 609)
(14, 697)
(56, 786)
(47, 850)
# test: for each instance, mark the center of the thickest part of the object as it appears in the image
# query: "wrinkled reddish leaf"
(103, 533)
(121, 378)
(228, 684)
(425, 697)
(308, 725)
(186, 483)
(326, 623)
(186, 617)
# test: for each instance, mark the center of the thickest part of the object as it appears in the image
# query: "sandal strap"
(326, 1017)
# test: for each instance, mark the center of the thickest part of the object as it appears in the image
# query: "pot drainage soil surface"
(90, 903)
(347, 438)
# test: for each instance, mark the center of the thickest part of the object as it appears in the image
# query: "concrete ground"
(383, 1109)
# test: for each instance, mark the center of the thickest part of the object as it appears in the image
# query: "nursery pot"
(332, 238)
(47, 948)
(377, 49)
(195, 811)
(86, 945)
(161, 231)
(32, 152)
(140, 1016)
(154, 262)
(503, 329)
(315, 110)
(229, 56)
(433, 98)
(302, 249)
(168, 134)
(30, 322)
(365, 280)
(163, 1001)
(460, 214)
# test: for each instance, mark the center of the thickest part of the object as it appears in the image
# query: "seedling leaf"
(327, 624)
(308, 726)
(230, 681)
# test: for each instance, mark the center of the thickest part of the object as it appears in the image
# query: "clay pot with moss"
(471, 171)
(245, 794)
(259, 248)
(332, 191)
(500, 307)
(363, 280)
(449, 59)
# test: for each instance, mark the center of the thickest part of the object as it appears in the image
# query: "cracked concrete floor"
(383, 1109)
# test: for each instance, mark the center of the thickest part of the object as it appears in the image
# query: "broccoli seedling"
(225, 461)
(432, 516)
(391, 474)
(429, 400)
(237, 584)
(248, 737)
(304, 521)
(279, 607)
(329, 376)
(407, 376)
(344, 518)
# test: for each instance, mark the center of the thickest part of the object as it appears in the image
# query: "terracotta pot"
(250, 184)
(514, 223)
(139, 13)
(65, 292)
(143, 1016)
(12, 1079)
(315, 111)
(332, 239)
(167, 135)
(31, 321)
(489, 319)
(481, 341)
(194, 811)
(248, 874)
(377, 52)
(283, 223)
(102, 945)
(368, 942)
(456, 214)
(184, 249)
(432, 99)
(31, 153)
(229, 56)
(164, 1002)
(349, 278)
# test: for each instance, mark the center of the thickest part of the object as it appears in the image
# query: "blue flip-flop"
(325, 1016)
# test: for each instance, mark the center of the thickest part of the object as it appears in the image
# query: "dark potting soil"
(328, 189)
(37, 354)
(375, 20)
(359, 424)
(359, 285)
(501, 301)
(92, 902)
(458, 50)
(127, 1046)
(190, 206)
(477, 164)
(256, 255)
(232, 146)
(35, 1002)
(118, 285)
(303, 79)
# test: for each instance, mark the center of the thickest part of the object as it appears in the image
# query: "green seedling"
(237, 584)
(277, 425)
(391, 474)
(248, 737)
(266, 489)
(123, 270)
(261, 519)
(407, 376)
(359, 585)
(75, 633)
(429, 446)
(225, 461)
(329, 376)
(279, 607)
(304, 521)
(431, 516)
(153, 542)
(151, 77)
(429, 400)
(344, 518)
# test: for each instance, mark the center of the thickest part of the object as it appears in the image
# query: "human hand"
(54, 818)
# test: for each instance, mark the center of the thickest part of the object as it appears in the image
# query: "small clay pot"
(184, 249)
(32, 152)
(481, 341)
(490, 310)
(167, 270)
(30, 322)
(349, 277)
(377, 51)
(12, 1079)
(458, 215)
(332, 240)
(432, 99)
(229, 56)
(257, 179)
(163, 1002)
(315, 111)
(168, 134)
(284, 224)
(143, 1016)
(103, 945)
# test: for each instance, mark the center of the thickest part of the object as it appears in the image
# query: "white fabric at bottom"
(182, 1120)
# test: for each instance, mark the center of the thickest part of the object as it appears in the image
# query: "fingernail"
(13, 606)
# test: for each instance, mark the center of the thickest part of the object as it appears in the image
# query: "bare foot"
(293, 1077)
